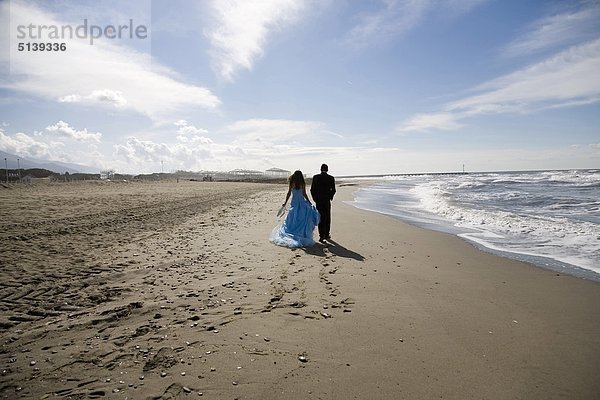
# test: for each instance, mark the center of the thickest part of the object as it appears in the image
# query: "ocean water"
(549, 218)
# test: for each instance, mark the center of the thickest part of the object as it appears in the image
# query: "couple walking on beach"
(297, 228)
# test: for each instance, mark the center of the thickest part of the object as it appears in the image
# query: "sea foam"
(550, 218)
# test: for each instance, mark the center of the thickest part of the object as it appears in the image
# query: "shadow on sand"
(334, 248)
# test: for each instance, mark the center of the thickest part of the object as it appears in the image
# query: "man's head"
(324, 168)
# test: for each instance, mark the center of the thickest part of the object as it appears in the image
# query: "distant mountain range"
(55, 166)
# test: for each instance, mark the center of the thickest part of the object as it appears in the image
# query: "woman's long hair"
(297, 180)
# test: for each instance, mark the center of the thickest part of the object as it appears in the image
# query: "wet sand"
(172, 290)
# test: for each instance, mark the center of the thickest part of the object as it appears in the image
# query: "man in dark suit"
(322, 190)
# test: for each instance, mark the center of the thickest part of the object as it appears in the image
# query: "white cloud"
(396, 17)
(241, 29)
(571, 75)
(59, 142)
(65, 129)
(273, 130)
(332, 133)
(184, 128)
(424, 122)
(102, 74)
(191, 150)
(567, 79)
(138, 156)
(107, 96)
(254, 144)
(196, 153)
(561, 29)
(187, 133)
(24, 145)
(143, 151)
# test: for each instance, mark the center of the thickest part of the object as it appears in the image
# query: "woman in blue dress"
(299, 224)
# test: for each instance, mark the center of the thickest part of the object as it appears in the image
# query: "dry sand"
(172, 290)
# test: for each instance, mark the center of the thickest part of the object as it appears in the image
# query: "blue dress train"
(299, 224)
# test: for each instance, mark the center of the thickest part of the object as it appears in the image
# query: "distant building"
(29, 179)
(277, 173)
(107, 174)
(246, 172)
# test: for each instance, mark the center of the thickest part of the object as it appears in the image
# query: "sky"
(368, 87)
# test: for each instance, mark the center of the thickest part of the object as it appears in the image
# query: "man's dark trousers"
(324, 209)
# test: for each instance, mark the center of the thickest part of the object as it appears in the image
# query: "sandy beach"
(172, 290)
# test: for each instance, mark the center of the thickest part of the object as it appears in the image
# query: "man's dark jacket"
(322, 188)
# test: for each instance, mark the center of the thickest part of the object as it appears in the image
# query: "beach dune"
(168, 290)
